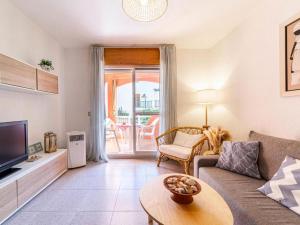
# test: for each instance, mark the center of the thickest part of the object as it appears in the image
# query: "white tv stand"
(20, 187)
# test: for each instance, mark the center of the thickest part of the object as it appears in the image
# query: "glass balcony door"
(132, 110)
(147, 107)
(119, 114)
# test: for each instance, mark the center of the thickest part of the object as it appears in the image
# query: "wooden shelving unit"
(16, 73)
(20, 75)
(47, 82)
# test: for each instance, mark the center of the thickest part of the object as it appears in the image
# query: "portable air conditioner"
(76, 149)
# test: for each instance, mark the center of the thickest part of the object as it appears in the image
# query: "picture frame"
(290, 56)
(35, 148)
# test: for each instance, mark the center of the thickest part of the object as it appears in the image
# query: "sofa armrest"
(204, 161)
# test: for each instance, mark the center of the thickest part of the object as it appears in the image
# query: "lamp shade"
(207, 96)
(145, 10)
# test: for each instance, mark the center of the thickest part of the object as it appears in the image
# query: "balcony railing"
(140, 119)
(123, 119)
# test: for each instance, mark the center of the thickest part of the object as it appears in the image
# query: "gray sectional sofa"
(249, 206)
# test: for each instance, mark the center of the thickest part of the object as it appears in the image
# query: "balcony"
(119, 134)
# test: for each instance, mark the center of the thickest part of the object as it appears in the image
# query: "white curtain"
(97, 119)
(168, 87)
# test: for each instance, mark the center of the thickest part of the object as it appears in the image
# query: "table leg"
(150, 220)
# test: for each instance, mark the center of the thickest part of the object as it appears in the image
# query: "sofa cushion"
(272, 152)
(240, 157)
(186, 140)
(284, 186)
(248, 206)
(176, 150)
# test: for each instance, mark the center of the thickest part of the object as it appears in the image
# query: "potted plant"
(46, 64)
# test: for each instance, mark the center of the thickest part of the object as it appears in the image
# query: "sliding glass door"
(132, 110)
(119, 115)
(146, 108)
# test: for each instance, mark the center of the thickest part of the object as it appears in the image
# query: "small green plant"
(46, 64)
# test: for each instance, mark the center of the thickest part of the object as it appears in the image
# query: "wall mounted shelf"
(47, 82)
(13, 88)
(20, 76)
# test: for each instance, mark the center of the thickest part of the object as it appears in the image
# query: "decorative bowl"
(182, 187)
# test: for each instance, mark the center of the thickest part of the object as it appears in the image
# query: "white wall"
(198, 69)
(77, 83)
(24, 40)
(248, 63)
(193, 73)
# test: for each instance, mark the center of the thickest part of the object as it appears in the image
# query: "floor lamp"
(207, 97)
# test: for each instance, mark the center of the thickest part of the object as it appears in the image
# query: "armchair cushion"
(186, 140)
(176, 150)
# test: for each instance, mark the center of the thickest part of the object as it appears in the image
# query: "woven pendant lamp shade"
(145, 10)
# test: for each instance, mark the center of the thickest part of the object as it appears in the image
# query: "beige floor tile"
(128, 200)
(57, 201)
(21, 218)
(52, 218)
(104, 182)
(99, 200)
(41, 218)
(92, 218)
(129, 218)
(133, 182)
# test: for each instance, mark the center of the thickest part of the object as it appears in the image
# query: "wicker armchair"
(167, 139)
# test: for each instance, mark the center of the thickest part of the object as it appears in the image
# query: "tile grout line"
(112, 215)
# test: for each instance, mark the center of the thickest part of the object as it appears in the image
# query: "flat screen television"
(13, 144)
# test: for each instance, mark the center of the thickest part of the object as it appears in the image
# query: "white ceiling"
(187, 23)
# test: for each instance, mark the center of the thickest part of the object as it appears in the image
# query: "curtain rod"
(129, 46)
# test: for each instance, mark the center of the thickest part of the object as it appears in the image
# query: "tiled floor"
(125, 147)
(98, 194)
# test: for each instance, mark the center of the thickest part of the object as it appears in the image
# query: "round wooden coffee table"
(208, 207)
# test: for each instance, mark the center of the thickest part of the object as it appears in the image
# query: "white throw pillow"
(284, 187)
(186, 140)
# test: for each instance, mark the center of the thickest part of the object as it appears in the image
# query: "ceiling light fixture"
(145, 10)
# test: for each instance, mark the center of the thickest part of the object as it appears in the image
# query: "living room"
(151, 90)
